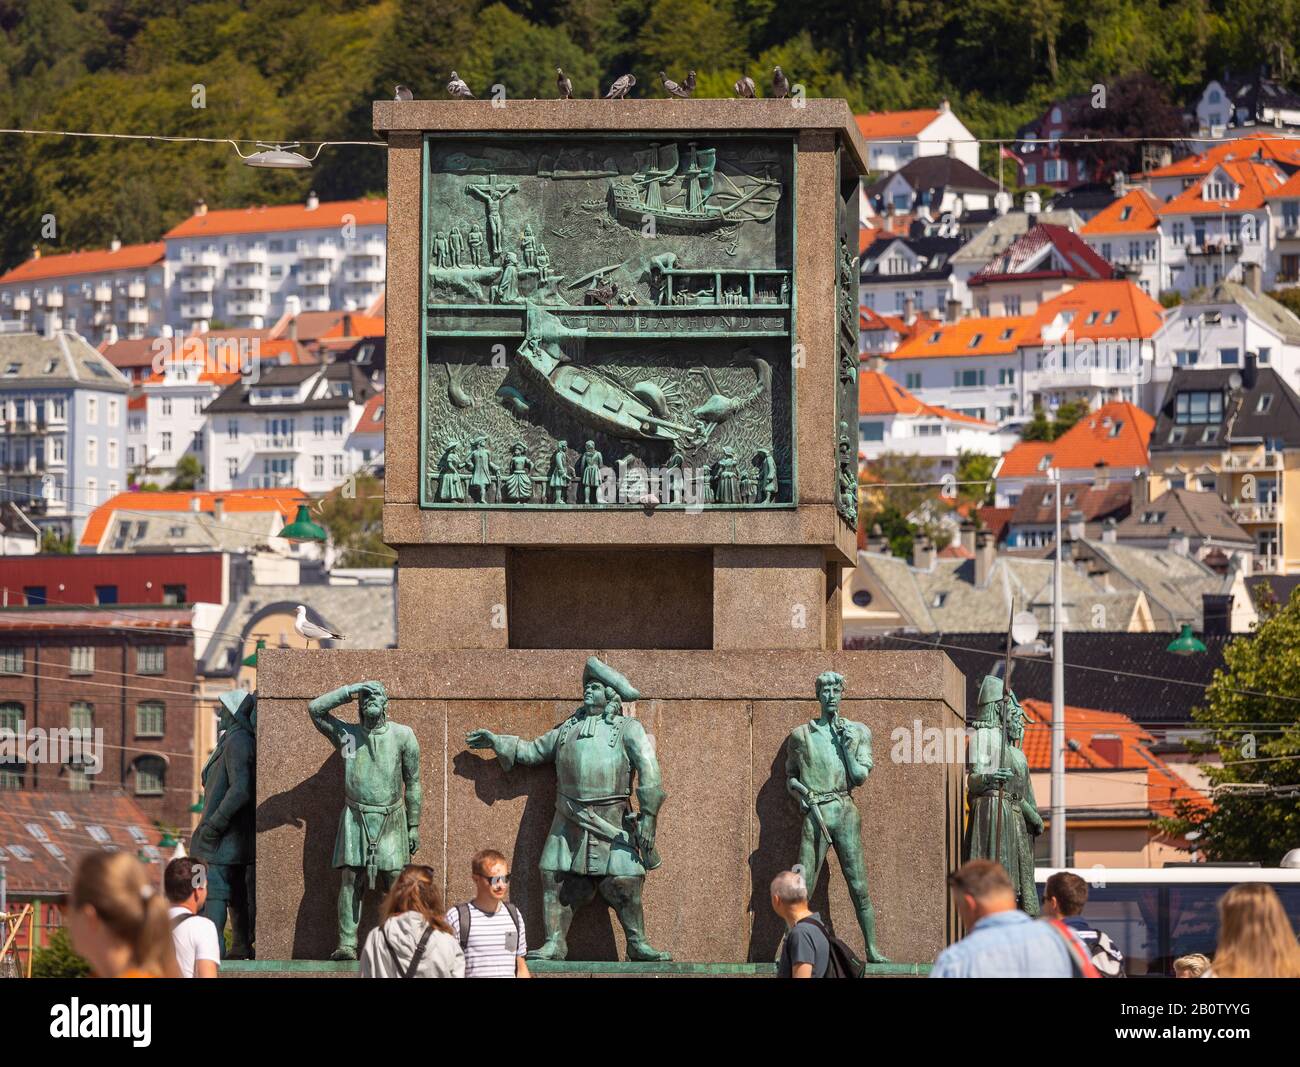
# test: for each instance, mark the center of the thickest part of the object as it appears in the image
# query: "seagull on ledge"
(311, 631)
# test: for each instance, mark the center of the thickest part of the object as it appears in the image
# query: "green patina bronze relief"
(846, 396)
(609, 321)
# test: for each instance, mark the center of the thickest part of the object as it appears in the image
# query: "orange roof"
(1116, 434)
(285, 501)
(356, 325)
(1285, 149)
(997, 336)
(878, 125)
(128, 257)
(1287, 190)
(1084, 728)
(1096, 310)
(878, 394)
(1256, 180)
(1134, 212)
(372, 416)
(329, 214)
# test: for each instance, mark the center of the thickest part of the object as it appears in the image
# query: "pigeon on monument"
(564, 84)
(458, 88)
(620, 87)
(745, 87)
(311, 631)
(672, 87)
(403, 93)
(780, 84)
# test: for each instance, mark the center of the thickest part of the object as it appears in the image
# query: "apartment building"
(895, 138)
(891, 419)
(104, 295)
(1127, 235)
(63, 408)
(240, 267)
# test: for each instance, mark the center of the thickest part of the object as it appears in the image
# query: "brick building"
(125, 676)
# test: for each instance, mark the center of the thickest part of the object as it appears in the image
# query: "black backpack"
(841, 962)
(462, 915)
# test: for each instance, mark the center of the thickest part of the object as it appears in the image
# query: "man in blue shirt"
(1001, 941)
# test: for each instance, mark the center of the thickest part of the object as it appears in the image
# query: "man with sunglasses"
(489, 927)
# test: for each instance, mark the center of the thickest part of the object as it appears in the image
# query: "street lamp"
(302, 530)
(1186, 643)
(251, 659)
(277, 157)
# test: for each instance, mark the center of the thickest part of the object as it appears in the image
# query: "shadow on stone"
(777, 850)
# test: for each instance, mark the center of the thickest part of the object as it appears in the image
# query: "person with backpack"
(489, 928)
(413, 938)
(1064, 896)
(810, 950)
(195, 938)
(1001, 940)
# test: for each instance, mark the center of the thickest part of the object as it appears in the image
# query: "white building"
(1231, 320)
(366, 442)
(1127, 235)
(289, 428)
(895, 138)
(891, 419)
(1246, 105)
(240, 267)
(119, 292)
(1283, 202)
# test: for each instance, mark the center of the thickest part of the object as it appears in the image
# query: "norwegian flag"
(1005, 153)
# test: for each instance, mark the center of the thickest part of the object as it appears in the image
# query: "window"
(98, 833)
(1006, 376)
(105, 594)
(78, 779)
(149, 659)
(339, 422)
(337, 466)
(11, 717)
(1264, 355)
(975, 341)
(1198, 407)
(150, 776)
(1227, 357)
(1186, 357)
(1263, 404)
(81, 716)
(149, 718)
(112, 407)
(34, 595)
(1011, 305)
(83, 659)
(1031, 173)
(166, 441)
(232, 429)
(111, 456)
(174, 594)
(318, 425)
(166, 405)
(968, 379)
(92, 451)
(11, 661)
(92, 410)
(232, 468)
(873, 431)
(913, 379)
(318, 466)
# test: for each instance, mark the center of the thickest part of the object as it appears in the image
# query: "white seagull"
(311, 631)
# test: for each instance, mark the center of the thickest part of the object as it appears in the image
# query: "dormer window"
(934, 337)
(1111, 316)
(975, 341)
(1005, 335)
(1125, 212)
(1218, 189)
(1045, 463)
(1263, 404)
(1092, 317)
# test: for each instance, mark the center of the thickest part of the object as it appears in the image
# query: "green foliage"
(355, 524)
(189, 473)
(55, 542)
(1249, 715)
(894, 526)
(56, 959)
(1288, 298)
(288, 70)
(1170, 298)
(1043, 428)
(973, 467)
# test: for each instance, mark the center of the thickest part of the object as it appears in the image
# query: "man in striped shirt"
(494, 943)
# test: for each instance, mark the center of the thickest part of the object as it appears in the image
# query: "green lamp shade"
(166, 841)
(197, 807)
(251, 659)
(302, 530)
(1186, 643)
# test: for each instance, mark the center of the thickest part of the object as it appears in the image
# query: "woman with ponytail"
(413, 938)
(117, 918)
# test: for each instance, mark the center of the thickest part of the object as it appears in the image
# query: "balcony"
(22, 302)
(198, 283)
(247, 255)
(102, 317)
(1267, 565)
(196, 311)
(314, 277)
(1250, 461)
(272, 481)
(249, 283)
(1289, 231)
(247, 307)
(137, 290)
(1215, 246)
(371, 246)
(191, 259)
(316, 303)
(103, 294)
(319, 253)
(364, 275)
(138, 316)
(1269, 512)
(272, 442)
(1085, 378)
(54, 299)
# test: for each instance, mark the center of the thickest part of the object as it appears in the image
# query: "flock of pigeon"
(684, 89)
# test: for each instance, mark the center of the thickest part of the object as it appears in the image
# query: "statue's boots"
(344, 952)
(553, 948)
(644, 952)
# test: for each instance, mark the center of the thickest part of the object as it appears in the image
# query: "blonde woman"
(117, 918)
(1255, 936)
(1193, 965)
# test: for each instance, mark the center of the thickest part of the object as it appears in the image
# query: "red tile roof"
(353, 324)
(330, 214)
(47, 618)
(128, 257)
(1137, 211)
(1255, 181)
(1288, 190)
(1122, 312)
(1091, 737)
(878, 394)
(1283, 149)
(997, 336)
(90, 821)
(1116, 434)
(285, 501)
(995, 520)
(1070, 257)
(372, 416)
(878, 125)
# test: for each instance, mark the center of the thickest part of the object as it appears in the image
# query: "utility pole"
(1058, 694)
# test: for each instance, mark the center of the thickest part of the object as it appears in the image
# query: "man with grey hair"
(806, 951)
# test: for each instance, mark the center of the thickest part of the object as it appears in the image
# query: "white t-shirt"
(493, 942)
(195, 939)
